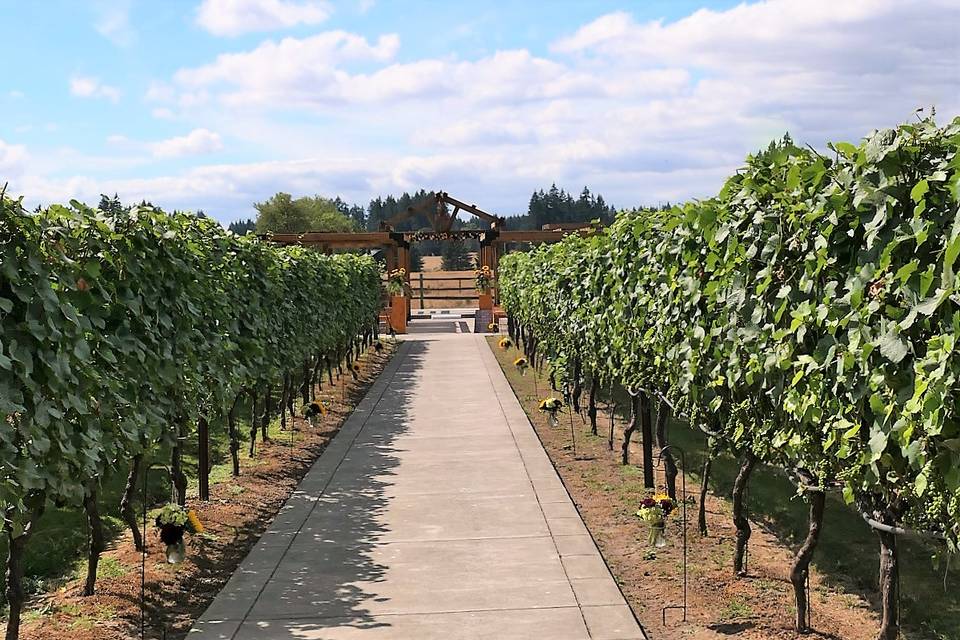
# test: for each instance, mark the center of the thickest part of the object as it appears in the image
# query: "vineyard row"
(124, 334)
(806, 317)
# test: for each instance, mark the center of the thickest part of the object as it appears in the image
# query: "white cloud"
(162, 113)
(311, 72)
(289, 72)
(12, 160)
(113, 22)
(160, 92)
(197, 142)
(819, 67)
(642, 112)
(235, 17)
(290, 58)
(90, 87)
(15, 94)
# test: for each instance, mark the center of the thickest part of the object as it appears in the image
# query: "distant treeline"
(550, 206)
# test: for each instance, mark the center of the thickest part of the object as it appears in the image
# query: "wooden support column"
(403, 261)
(391, 255)
(398, 256)
(495, 260)
(485, 297)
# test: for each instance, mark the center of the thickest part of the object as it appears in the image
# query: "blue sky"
(215, 104)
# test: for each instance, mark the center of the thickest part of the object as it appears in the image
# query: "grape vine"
(119, 332)
(806, 317)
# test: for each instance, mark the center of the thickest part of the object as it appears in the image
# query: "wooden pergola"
(441, 210)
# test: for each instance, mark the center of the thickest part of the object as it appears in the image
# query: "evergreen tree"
(242, 227)
(416, 258)
(359, 216)
(455, 256)
(354, 212)
(111, 206)
(556, 205)
(375, 215)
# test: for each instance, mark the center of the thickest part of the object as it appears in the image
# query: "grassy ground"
(848, 550)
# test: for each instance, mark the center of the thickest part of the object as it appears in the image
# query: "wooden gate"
(452, 288)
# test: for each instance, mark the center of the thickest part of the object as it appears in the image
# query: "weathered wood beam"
(483, 215)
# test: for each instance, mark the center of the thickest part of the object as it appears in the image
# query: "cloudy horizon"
(216, 104)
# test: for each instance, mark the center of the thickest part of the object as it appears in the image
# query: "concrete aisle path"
(435, 514)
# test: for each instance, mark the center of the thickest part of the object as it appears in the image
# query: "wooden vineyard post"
(203, 457)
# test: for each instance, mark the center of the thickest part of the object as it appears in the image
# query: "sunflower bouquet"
(483, 278)
(521, 364)
(173, 521)
(505, 343)
(654, 510)
(396, 281)
(551, 406)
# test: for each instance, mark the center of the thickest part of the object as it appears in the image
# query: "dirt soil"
(607, 495)
(239, 511)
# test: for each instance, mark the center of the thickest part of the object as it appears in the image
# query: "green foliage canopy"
(284, 214)
(809, 312)
(117, 326)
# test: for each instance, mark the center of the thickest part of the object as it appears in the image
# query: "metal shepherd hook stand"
(143, 553)
(683, 507)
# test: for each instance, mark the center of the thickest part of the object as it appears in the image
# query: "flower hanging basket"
(172, 522)
(654, 511)
(551, 406)
(172, 536)
(521, 364)
(314, 412)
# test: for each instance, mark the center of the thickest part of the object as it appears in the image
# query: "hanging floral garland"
(463, 234)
